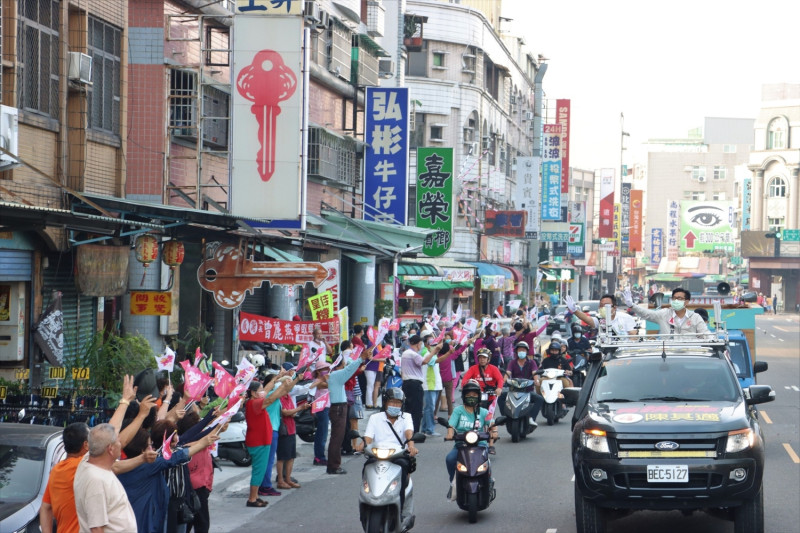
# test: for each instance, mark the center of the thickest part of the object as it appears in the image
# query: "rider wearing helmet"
(523, 367)
(488, 377)
(555, 359)
(467, 417)
(578, 344)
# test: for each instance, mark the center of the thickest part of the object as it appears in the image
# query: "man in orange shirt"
(59, 498)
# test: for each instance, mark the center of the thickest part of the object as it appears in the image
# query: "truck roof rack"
(609, 341)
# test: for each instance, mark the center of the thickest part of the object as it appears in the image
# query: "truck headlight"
(740, 440)
(595, 440)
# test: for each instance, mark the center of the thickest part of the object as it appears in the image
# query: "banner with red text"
(264, 329)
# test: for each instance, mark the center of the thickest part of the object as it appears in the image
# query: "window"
(694, 195)
(417, 62)
(468, 59)
(729, 148)
(183, 104)
(438, 60)
(104, 96)
(776, 224)
(777, 188)
(38, 54)
(718, 196)
(437, 133)
(699, 173)
(720, 173)
(777, 133)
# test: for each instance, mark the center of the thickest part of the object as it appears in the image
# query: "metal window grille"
(332, 156)
(104, 96)
(341, 50)
(183, 103)
(367, 67)
(38, 56)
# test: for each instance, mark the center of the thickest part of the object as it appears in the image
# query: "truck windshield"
(672, 380)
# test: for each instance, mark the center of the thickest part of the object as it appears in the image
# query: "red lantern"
(172, 254)
(146, 249)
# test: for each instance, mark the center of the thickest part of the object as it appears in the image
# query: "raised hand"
(628, 297)
(570, 303)
(128, 390)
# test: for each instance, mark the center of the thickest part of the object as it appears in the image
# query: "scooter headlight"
(471, 437)
(595, 440)
(461, 467)
(382, 453)
(484, 467)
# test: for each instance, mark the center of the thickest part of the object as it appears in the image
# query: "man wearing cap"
(411, 363)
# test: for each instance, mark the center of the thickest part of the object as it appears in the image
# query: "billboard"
(563, 112)
(551, 172)
(267, 97)
(635, 222)
(747, 199)
(706, 226)
(435, 198)
(505, 223)
(606, 229)
(527, 195)
(386, 155)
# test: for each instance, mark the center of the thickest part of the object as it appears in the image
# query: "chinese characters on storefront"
(551, 173)
(435, 198)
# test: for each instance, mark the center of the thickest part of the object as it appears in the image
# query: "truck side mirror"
(571, 395)
(755, 394)
(760, 366)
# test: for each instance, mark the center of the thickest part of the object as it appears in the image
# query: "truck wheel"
(513, 428)
(749, 517)
(589, 518)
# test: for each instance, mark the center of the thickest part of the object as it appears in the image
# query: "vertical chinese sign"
(563, 107)
(656, 245)
(435, 198)
(551, 172)
(606, 229)
(747, 197)
(672, 230)
(267, 98)
(625, 216)
(616, 234)
(576, 247)
(386, 158)
(527, 194)
(635, 243)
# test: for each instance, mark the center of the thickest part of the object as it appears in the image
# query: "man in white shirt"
(318, 348)
(411, 363)
(620, 323)
(676, 318)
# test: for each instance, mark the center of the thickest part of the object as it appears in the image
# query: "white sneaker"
(532, 423)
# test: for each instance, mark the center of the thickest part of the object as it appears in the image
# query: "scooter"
(305, 422)
(551, 387)
(231, 443)
(518, 409)
(379, 504)
(474, 483)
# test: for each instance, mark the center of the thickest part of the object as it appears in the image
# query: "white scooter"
(379, 499)
(551, 387)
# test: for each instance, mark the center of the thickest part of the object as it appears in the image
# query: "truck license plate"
(667, 473)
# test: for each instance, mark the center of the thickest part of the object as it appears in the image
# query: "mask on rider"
(472, 401)
(522, 354)
(393, 411)
(578, 335)
(677, 304)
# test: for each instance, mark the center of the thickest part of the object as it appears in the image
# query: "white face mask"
(578, 335)
(522, 354)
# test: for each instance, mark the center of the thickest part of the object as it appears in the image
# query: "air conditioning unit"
(311, 12)
(324, 19)
(472, 148)
(80, 68)
(701, 179)
(9, 136)
(528, 115)
(385, 67)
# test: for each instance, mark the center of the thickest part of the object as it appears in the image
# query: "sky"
(664, 65)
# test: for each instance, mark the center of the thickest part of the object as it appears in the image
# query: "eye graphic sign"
(706, 225)
(435, 198)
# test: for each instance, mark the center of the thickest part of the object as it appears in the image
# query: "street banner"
(656, 245)
(673, 228)
(266, 171)
(606, 229)
(616, 234)
(527, 194)
(747, 199)
(563, 114)
(321, 305)
(625, 216)
(706, 226)
(635, 223)
(551, 172)
(331, 283)
(435, 198)
(258, 328)
(386, 125)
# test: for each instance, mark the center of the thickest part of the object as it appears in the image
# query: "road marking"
(551, 530)
(796, 388)
(780, 340)
(767, 419)
(773, 336)
(785, 330)
(791, 453)
(573, 477)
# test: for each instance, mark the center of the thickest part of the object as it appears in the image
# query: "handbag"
(182, 495)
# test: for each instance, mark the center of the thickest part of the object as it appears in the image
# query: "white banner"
(527, 194)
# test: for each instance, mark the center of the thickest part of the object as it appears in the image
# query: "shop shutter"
(15, 265)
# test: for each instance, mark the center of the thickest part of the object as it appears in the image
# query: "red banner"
(264, 329)
(606, 229)
(635, 240)
(563, 112)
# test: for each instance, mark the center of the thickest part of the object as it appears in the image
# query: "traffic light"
(777, 236)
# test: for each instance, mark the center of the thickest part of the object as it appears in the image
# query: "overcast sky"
(665, 65)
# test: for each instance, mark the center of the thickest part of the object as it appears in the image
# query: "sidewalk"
(226, 504)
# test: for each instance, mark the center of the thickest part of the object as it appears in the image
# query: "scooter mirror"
(418, 437)
(499, 421)
(443, 421)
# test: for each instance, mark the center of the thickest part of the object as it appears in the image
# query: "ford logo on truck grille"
(667, 445)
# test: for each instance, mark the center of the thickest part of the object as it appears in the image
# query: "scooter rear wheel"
(472, 507)
(244, 460)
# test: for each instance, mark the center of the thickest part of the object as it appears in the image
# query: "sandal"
(257, 503)
(293, 484)
(284, 486)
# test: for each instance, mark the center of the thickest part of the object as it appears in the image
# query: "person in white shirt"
(676, 318)
(318, 348)
(620, 323)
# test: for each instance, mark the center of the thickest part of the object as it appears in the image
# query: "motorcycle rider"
(578, 344)
(387, 427)
(676, 318)
(489, 379)
(524, 367)
(467, 417)
(555, 359)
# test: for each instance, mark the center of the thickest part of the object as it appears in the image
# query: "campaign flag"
(499, 311)
(238, 390)
(336, 362)
(222, 419)
(166, 361)
(355, 353)
(223, 381)
(384, 353)
(460, 335)
(490, 414)
(541, 324)
(458, 313)
(320, 403)
(245, 371)
(371, 335)
(439, 337)
(471, 324)
(394, 325)
(305, 357)
(514, 304)
(166, 449)
(435, 315)
(195, 382)
(494, 326)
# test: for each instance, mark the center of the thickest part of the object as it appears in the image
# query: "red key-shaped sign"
(266, 82)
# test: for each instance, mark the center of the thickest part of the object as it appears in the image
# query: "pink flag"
(394, 325)
(336, 362)
(223, 381)
(492, 407)
(371, 335)
(435, 315)
(227, 415)
(320, 403)
(195, 382)
(238, 390)
(166, 449)
(385, 353)
(356, 352)
(305, 355)
(471, 324)
(461, 335)
(198, 355)
(458, 313)
(495, 326)
(166, 361)
(439, 338)
(245, 371)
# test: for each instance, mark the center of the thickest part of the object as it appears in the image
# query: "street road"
(534, 477)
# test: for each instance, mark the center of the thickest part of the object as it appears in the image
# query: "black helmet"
(394, 393)
(554, 348)
(522, 344)
(470, 386)
(577, 328)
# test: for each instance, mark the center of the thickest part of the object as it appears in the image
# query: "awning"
(357, 257)
(490, 269)
(417, 269)
(437, 285)
(516, 275)
(281, 255)
(665, 277)
(494, 277)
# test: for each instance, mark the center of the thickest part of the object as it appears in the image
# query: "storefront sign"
(747, 198)
(505, 223)
(635, 243)
(527, 194)
(656, 245)
(606, 229)
(673, 227)
(386, 155)
(151, 303)
(563, 112)
(435, 198)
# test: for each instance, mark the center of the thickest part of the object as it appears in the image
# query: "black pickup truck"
(662, 426)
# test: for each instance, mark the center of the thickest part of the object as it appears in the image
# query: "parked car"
(27, 454)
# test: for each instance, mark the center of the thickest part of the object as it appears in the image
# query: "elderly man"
(411, 363)
(100, 500)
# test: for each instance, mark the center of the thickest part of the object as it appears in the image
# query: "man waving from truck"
(674, 319)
